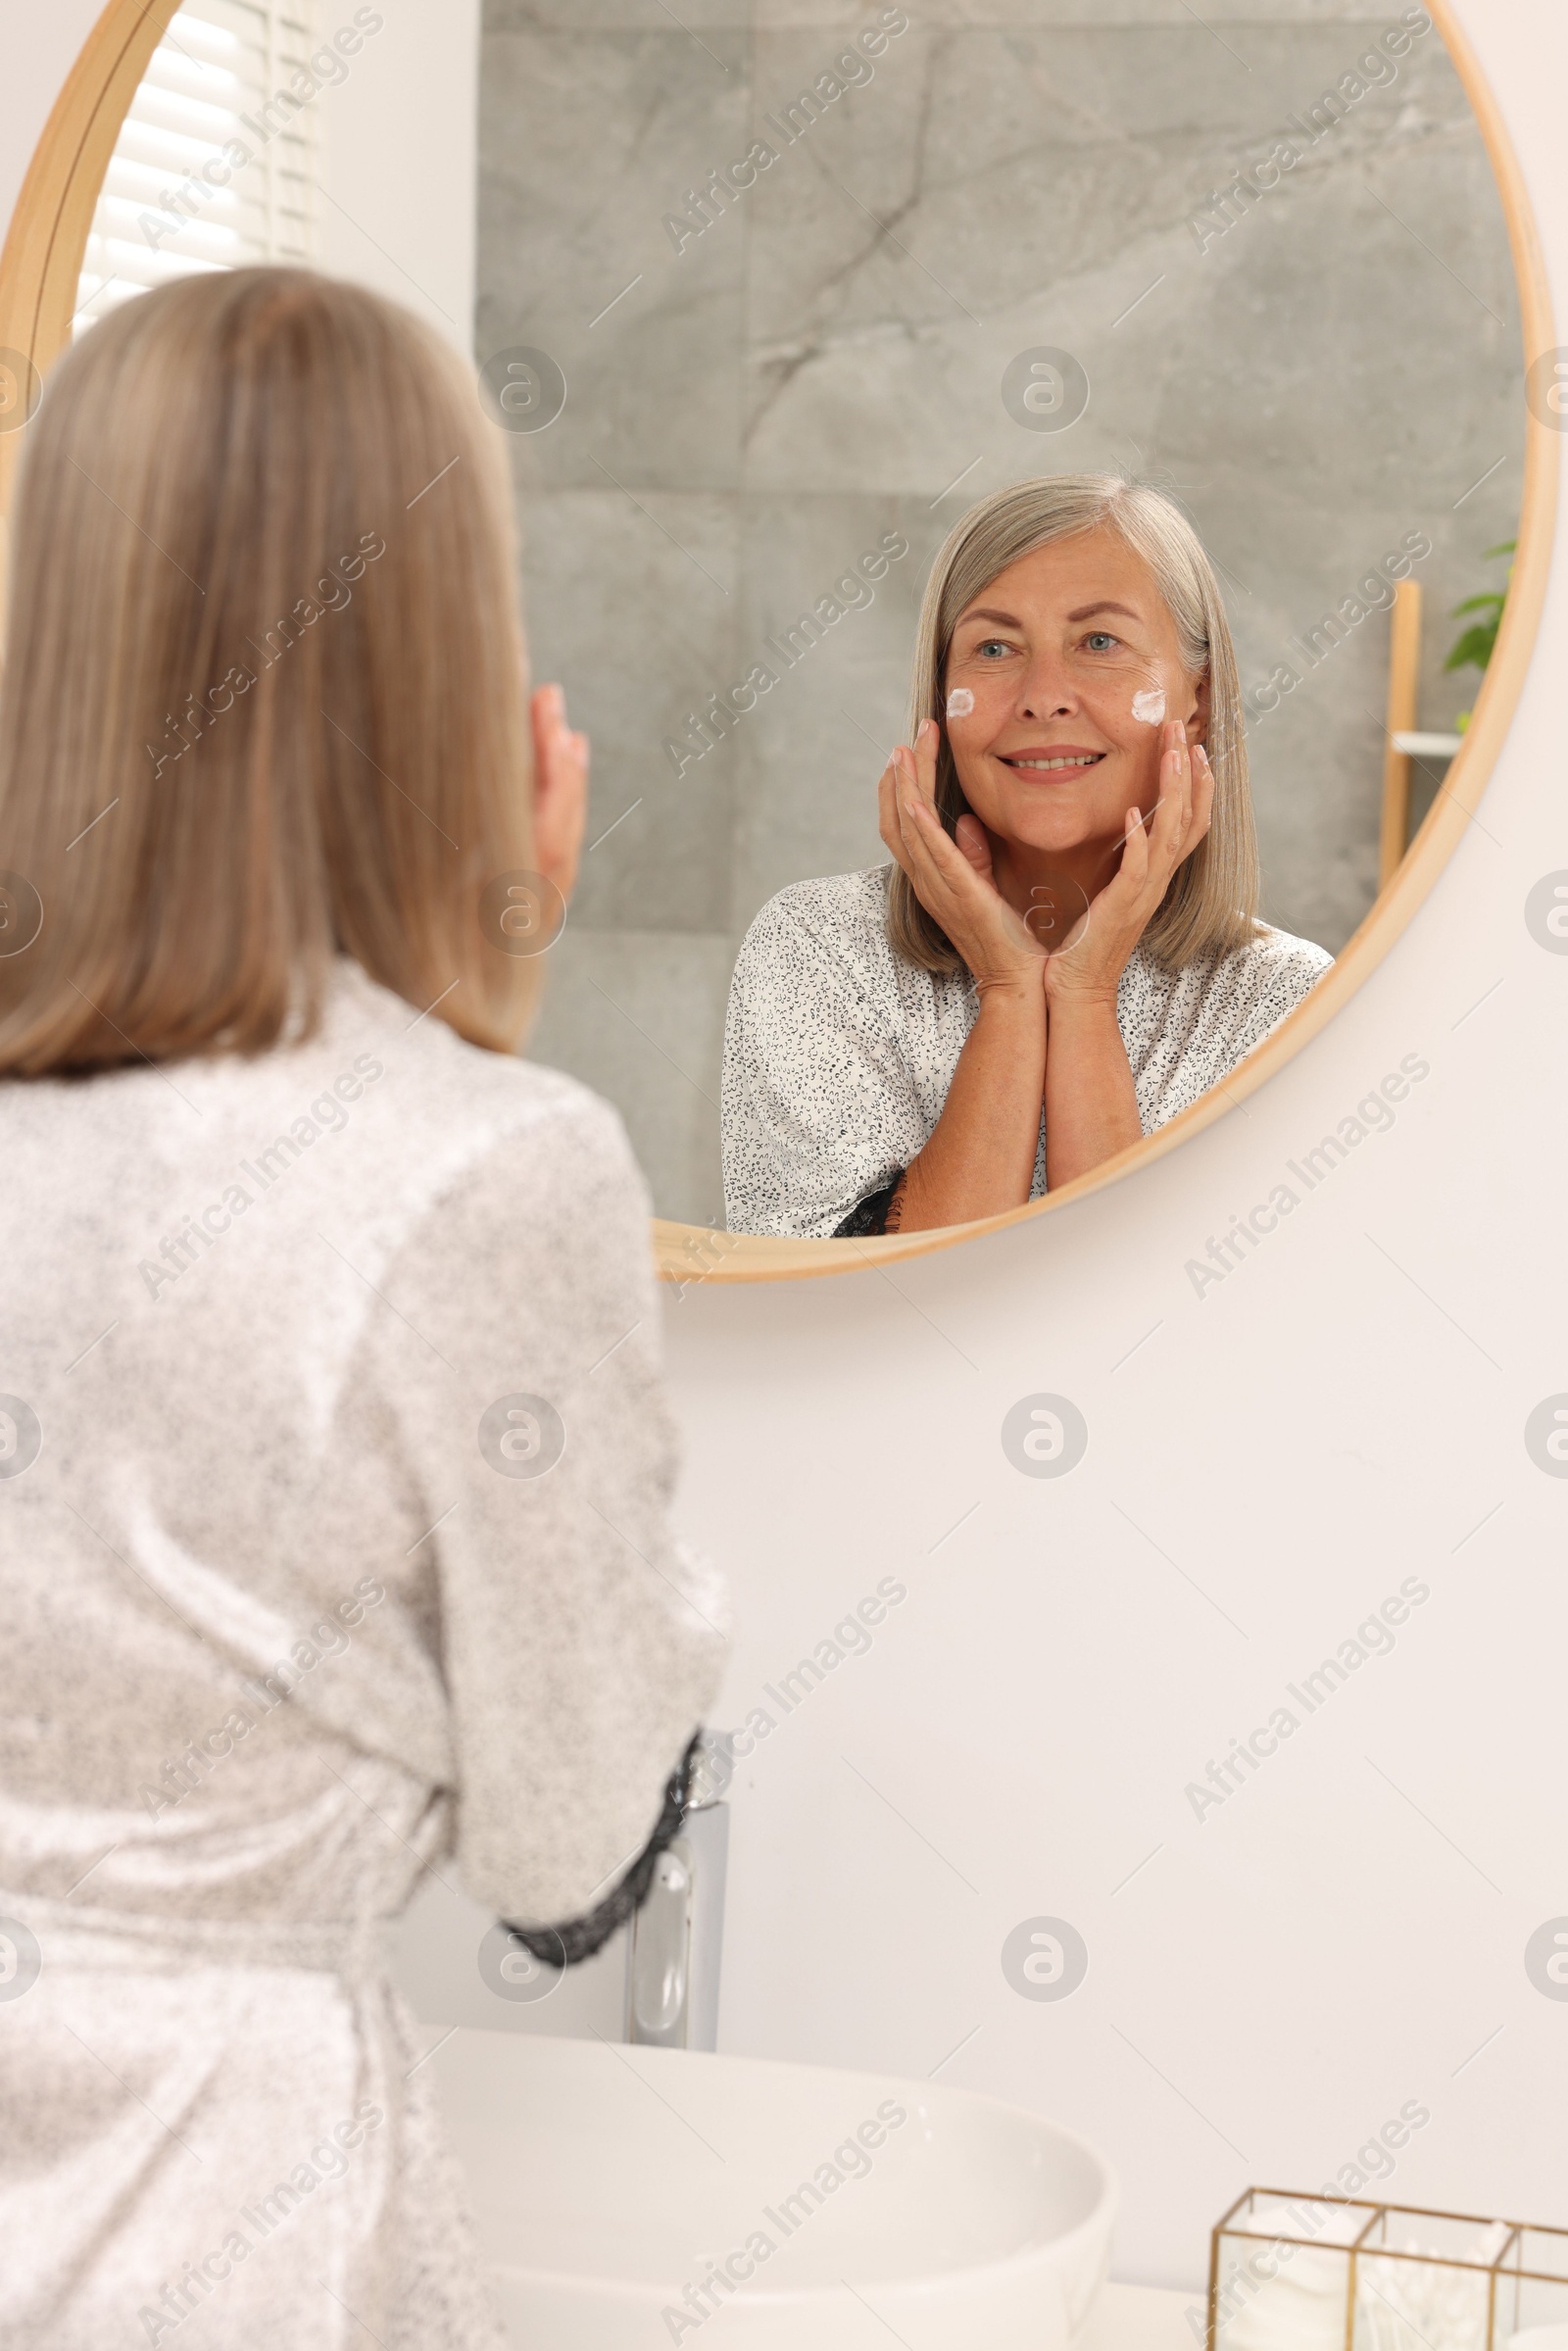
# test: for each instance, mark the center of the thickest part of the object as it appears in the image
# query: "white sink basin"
(608, 2181)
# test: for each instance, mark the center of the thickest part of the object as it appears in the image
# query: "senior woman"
(1065, 950)
(334, 1452)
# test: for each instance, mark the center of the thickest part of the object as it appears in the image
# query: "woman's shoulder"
(1229, 998)
(373, 1066)
(475, 1095)
(1268, 974)
(1269, 963)
(820, 932)
(382, 1128)
(486, 1168)
(839, 905)
(1188, 1028)
(1281, 952)
(400, 1121)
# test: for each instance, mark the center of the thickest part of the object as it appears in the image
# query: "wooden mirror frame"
(40, 267)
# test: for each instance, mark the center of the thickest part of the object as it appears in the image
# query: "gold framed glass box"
(1290, 2271)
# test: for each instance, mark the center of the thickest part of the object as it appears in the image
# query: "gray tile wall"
(749, 413)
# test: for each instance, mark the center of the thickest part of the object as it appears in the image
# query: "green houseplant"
(1473, 649)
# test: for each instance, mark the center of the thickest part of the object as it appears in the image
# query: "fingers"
(1173, 809)
(559, 749)
(1136, 854)
(890, 823)
(1152, 848)
(1202, 794)
(942, 873)
(951, 877)
(906, 817)
(909, 780)
(927, 741)
(560, 788)
(922, 827)
(567, 748)
(1182, 810)
(946, 855)
(1186, 800)
(970, 835)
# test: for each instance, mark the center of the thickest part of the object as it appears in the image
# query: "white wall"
(1343, 1412)
(400, 156)
(1342, 1935)
(40, 48)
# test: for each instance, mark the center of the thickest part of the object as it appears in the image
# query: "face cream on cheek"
(1150, 707)
(961, 703)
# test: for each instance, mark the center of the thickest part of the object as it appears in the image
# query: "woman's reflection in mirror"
(1065, 950)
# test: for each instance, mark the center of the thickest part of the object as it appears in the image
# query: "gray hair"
(1211, 904)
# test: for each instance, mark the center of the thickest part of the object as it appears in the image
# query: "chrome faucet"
(677, 1936)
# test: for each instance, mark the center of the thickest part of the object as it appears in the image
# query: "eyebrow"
(1084, 611)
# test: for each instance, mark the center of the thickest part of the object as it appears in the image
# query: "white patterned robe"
(838, 1053)
(280, 1636)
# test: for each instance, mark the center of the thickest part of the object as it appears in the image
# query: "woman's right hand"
(559, 789)
(952, 878)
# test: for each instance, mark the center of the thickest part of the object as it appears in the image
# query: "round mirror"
(767, 307)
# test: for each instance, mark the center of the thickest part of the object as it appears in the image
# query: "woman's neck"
(1045, 883)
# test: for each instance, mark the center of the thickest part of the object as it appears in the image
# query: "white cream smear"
(1150, 707)
(960, 702)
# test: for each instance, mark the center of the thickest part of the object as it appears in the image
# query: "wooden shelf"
(1415, 745)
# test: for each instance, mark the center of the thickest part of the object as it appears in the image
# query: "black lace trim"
(869, 1215)
(580, 1938)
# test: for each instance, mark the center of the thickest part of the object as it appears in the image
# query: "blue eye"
(1100, 639)
(992, 645)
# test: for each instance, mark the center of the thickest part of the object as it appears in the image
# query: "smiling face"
(1073, 661)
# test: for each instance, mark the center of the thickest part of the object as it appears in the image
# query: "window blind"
(215, 164)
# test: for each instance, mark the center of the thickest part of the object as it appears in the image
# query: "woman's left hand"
(1090, 961)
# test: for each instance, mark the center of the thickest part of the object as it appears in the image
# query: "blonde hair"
(265, 695)
(1211, 903)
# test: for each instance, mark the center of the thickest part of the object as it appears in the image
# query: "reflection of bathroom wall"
(759, 407)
